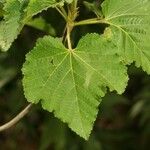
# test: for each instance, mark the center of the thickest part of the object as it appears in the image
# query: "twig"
(16, 119)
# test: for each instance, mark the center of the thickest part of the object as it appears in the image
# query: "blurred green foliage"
(123, 122)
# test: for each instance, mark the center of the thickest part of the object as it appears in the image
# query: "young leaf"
(71, 82)
(9, 28)
(130, 24)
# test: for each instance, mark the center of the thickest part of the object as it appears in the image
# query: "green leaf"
(9, 27)
(130, 24)
(16, 14)
(71, 82)
(37, 6)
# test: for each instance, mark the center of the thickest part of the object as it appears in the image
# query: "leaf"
(130, 24)
(72, 82)
(9, 27)
(17, 14)
(37, 6)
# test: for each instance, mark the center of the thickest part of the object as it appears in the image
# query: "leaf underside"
(70, 83)
(130, 24)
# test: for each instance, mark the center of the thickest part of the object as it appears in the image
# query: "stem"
(89, 21)
(72, 14)
(68, 37)
(16, 119)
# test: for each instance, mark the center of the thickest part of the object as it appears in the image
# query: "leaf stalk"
(90, 21)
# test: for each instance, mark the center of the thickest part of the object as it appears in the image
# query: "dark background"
(123, 122)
